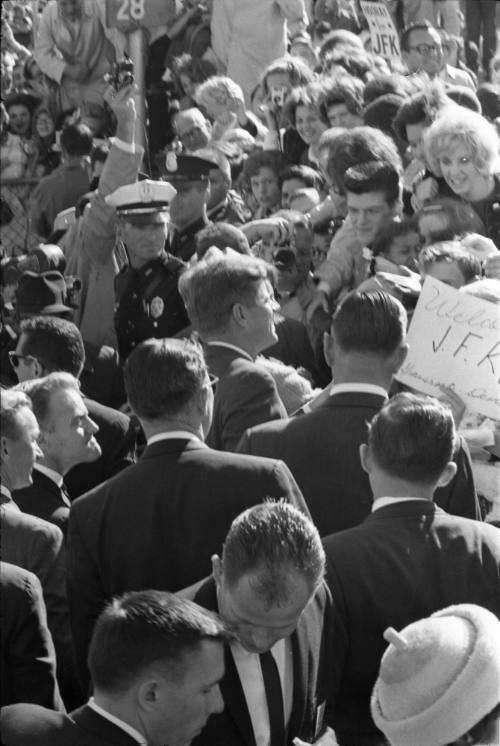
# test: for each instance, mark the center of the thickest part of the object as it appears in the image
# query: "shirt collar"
(243, 353)
(54, 476)
(381, 502)
(173, 434)
(133, 733)
(6, 496)
(358, 388)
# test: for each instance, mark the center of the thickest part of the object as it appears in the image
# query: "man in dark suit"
(28, 670)
(366, 347)
(66, 437)
(48, 344)
(269, 589)
(231, 304)
(157, 524)
(156, 663)
(407, 559)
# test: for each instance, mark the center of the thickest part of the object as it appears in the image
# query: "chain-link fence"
(15, 234)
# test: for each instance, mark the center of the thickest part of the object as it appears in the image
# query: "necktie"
(274, 697)
(65, 495)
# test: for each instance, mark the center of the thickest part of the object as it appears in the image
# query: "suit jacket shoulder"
(27, 725)
(246, 395)
(43, 499)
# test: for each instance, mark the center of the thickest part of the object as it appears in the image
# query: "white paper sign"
(384, 37)
(454, 341)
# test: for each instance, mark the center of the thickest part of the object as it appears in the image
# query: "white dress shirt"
(174, 435)
(252, 682)
(358, 388)
(381, 502)
(6, 498)
(132, 732)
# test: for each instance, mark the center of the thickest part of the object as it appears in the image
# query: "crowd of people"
(225, 519)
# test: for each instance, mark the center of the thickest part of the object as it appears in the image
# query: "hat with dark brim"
(183, 168)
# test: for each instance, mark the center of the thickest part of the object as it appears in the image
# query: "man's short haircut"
(76, 139)
(354, 62)
(163, 376)
(41, 391)
(360, 145)
(373, 323)
(11, 402)
(56, 343)
(273, 159)
(412, 438)
(147, 628)
(404, 41)
(273, 541)
(211, 288)
(447, 252)
(308, 175)
(374, 176)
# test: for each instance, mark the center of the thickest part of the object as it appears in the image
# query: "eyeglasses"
(426, 49)
(15, 358)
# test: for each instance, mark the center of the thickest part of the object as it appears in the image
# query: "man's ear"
(238, 313)
(400, 356)
(217, 569)
(365, 457)
(329, 349)
(148, 695)
(447, 475)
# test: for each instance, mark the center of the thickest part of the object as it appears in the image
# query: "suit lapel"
(234, 700)
(300, 648)
(230, 686)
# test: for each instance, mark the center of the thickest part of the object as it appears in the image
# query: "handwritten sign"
(384, 37)
(454, 341)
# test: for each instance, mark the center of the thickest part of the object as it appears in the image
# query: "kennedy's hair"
(146, 628)
(412, 438)
(211, 288)
(274, 542)
(372, 322)
(11, 403)
(163, 376)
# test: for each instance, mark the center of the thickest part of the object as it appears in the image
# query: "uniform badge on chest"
(157, 307)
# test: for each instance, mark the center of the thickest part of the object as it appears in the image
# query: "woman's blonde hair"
(456, 125)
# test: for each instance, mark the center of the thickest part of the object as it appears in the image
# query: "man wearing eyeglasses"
(422, 51)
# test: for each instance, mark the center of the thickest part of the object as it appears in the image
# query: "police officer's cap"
(179, 168)
(142, 201)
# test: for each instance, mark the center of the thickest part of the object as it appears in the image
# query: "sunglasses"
(15, 358)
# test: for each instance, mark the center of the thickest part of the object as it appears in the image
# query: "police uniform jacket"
(182, 244)
(148, 303)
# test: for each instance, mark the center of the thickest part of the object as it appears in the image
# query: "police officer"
(188, 209)
(147, 302)
(224, 204)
